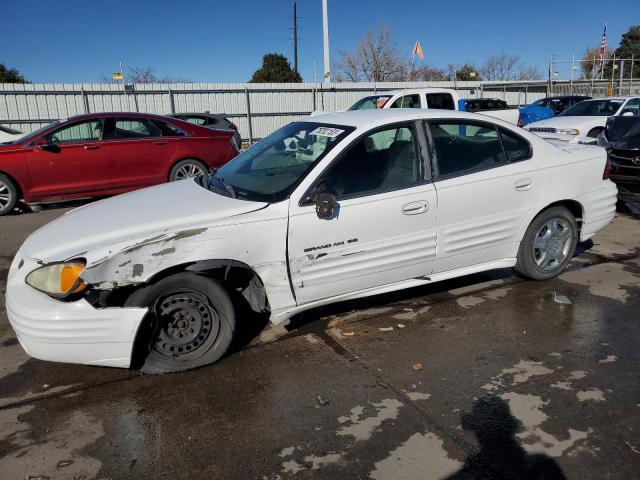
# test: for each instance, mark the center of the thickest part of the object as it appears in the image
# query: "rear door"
(75, 161)
(384, 229)
(141, 153)
(487, 179)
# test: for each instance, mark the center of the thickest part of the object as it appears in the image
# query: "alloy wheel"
(552, 243)
(189, 170)
(5, 195)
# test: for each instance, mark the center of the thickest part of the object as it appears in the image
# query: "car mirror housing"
(325, 205)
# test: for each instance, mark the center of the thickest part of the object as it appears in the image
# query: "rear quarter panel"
(575, 173)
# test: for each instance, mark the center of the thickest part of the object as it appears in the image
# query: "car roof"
(612, 98)
(366, 118)
(199, 114)
(88, 116)
(410, 90)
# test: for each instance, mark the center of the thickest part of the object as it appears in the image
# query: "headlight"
(568, 131)
(58, 279)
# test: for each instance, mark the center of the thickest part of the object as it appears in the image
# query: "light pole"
(325, 41)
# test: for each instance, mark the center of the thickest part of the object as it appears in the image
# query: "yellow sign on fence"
(117, 76)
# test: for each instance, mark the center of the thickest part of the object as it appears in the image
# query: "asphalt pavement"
(486, 376)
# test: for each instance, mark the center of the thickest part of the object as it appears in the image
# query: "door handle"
(90, 147)
(523, 185)
(414, 208)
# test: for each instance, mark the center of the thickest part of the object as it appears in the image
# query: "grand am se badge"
(329, 245)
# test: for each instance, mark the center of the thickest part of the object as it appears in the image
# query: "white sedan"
(330, 208)
(583, 122)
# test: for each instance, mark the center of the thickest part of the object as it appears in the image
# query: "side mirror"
(627, 114)
(325, 205)
(325, 201)
(41, 142)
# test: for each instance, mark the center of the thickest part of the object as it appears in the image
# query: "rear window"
(442, 101)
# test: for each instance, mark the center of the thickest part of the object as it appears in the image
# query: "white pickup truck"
(442, 98)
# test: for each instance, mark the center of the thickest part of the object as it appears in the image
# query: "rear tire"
(191, 323)
(548, 244)
(8, 195)
(188, 168)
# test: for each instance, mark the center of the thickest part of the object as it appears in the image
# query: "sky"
(74, 41)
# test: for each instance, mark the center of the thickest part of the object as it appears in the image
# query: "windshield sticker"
(327, 132)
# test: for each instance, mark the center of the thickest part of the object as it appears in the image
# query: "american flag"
(603, 50)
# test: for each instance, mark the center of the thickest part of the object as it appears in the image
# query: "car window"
(385, 160)
(136, 128)
(632, 106)
(195, 120)
(408, 101)
(169, 130)
(440, 100)
(371, 103)
(464, 147)
(515, 147)
(89, 131)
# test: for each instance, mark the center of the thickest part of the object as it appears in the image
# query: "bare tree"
(140, 75)
(529, 73)
(375, 59)
(427, 74)
(500, 67)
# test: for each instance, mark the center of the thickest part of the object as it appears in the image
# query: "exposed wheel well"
(180, 160)
(238, 278)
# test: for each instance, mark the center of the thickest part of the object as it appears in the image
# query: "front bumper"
(70, 332)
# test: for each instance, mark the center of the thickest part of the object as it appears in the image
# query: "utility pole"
(295, 38)
(325, 41)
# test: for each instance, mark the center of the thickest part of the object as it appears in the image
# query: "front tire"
(548, 244)
(188, 168)
(8, 195)
(191, 323)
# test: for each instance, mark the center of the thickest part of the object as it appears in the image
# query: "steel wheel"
(552, 244)
(6, 196)
(188, 170)
(188, 325)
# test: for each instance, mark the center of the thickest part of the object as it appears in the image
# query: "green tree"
(275, 69)
(467, 73)
(10, 75)
(630, 46)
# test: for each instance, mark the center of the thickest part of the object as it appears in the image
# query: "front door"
(384, 227)
(487, 181)
(73, 163)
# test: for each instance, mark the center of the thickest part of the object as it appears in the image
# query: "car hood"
(570, 122)
(175, 206)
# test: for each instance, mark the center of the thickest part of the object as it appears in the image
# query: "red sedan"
(105, 154)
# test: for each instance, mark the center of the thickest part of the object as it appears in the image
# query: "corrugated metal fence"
(257, 109)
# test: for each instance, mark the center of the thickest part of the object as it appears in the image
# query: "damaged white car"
(331, 208)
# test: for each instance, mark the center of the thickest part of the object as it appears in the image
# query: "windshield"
(271, 169)
(593, 108)
(371, 103)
